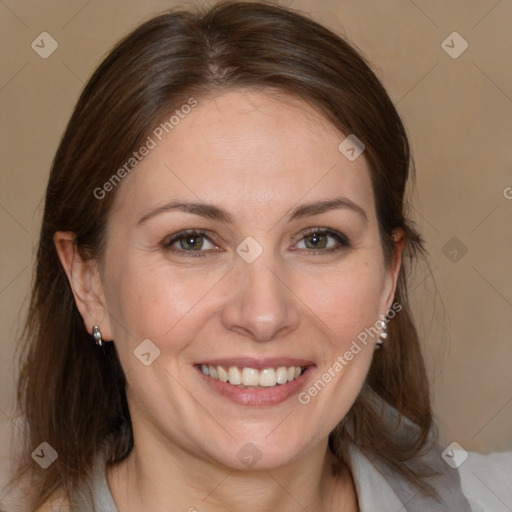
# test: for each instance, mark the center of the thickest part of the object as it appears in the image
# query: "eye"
(189, 241)
(322, 240)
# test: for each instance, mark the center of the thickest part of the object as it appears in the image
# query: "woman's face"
(285, 270)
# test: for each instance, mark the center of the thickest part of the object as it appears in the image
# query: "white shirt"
(486, 483)
(377, 490)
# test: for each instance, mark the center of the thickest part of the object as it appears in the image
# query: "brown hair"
(71, 393)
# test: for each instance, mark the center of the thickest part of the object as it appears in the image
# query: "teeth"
(268, 377)
(223, 374)
(213, 372)
(234, 375)
(282, 375)
(250, 377)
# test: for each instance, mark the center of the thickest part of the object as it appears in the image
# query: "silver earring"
(96, 334)
(382, 336)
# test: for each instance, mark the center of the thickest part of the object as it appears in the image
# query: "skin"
(257, 156)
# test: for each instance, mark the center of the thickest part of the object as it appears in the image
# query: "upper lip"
(258, 363)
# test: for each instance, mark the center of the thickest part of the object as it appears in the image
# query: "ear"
(85, 281)
(393, 270)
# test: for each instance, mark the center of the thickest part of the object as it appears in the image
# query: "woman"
(220, 315)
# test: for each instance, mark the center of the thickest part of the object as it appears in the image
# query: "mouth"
(252, 378)
(255, 382)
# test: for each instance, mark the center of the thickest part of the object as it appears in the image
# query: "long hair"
(71, 394)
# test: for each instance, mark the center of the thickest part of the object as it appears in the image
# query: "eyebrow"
(318, 207)
(213, 212)
(209, 211)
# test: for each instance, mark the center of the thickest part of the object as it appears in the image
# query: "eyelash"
(343, 242)
(167, 245)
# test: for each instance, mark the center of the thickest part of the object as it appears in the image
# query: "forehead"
(251, 150)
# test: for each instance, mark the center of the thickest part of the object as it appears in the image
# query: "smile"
(246, 377)
(255, 381)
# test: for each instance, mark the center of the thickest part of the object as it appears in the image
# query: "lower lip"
(257, 397)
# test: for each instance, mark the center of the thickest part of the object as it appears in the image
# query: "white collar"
(373, 490)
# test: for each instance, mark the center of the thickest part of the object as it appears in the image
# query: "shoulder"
(377, 483)
(57, 503)
(18, 497)
(487, 481)
(92, 493)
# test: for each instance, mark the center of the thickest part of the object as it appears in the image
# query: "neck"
(154, 476)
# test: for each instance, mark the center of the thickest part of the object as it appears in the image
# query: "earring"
(96, 334)
(382, 336)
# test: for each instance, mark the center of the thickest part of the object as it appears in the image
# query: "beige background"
(457, 111)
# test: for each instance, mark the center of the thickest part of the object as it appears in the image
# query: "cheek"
(346, 300)
(149, 300)
(348, 304)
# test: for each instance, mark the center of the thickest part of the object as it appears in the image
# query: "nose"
(260, 304)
